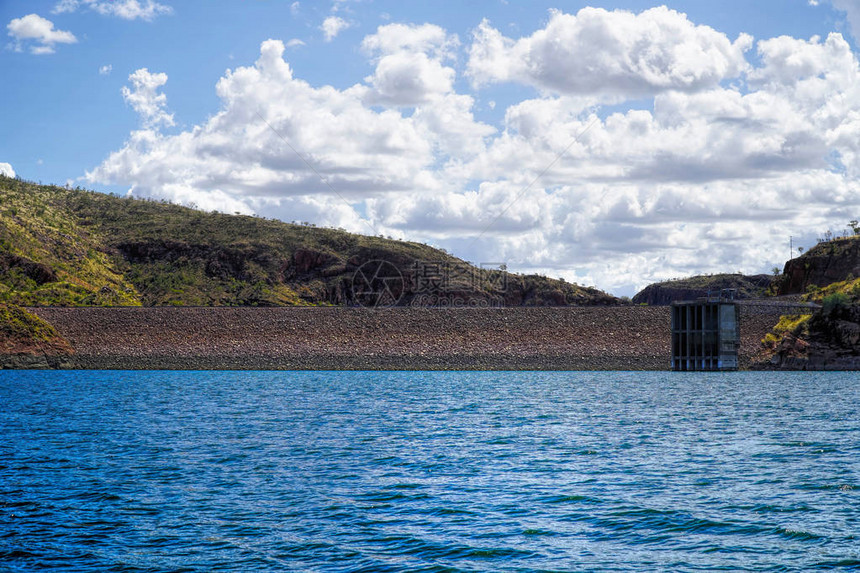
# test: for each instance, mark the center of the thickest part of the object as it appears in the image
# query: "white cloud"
(295, 43)
(236, 162)
(294, 8)
(711, 176)
(601, 52)
(409, 63)
(144, 98)
(426, 38)
(6, 169)
(38, 33)
(105, 70)
(338, 5)
(332, 26)
(852, 13)
(410, 79)
(126, 9)
(791, 61)
(236, 154)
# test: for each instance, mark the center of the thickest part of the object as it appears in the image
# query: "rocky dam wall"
(557, 338)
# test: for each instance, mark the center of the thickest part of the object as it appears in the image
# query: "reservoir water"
(429, 471)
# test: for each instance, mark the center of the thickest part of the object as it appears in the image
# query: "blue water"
(424, 471)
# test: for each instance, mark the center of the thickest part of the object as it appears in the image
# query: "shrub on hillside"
(833, 301)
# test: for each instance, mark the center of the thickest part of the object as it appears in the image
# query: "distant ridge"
(667, 292)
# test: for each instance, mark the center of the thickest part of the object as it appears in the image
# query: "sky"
(611, 144)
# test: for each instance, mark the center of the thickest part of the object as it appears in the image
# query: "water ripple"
(422, 471)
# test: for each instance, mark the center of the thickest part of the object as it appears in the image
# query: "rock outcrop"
(27, 341)
(830, 340)
(826, 263)
(37, 272)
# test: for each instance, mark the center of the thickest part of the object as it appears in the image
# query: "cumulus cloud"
(712, 175)
(617, 52)
(332, 26)
(145, 99)
(6, 169)
(409, 63)
(126, 9)
(814, 83)
(236, 159)
(295, 43)
(424, 38)
(38, 33)
(791, 61)
(852, 13)
(105, 70)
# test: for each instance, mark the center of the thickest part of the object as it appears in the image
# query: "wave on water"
(428, 471)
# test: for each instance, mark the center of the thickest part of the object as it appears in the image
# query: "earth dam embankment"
(554, 338)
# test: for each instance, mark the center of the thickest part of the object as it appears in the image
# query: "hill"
(829, 338)
(667, 292)
(24, 335)
(826, 263)
(72, 247)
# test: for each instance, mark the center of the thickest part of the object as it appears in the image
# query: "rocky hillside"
(663, 293)
(828, 339)
(24, 335)
(64, 247)
(824, 264)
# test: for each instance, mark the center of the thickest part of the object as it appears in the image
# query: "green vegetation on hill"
(790, 324)
(48, 258)
(848, 291)
(829, 337)
(24, 332)
(75, 247)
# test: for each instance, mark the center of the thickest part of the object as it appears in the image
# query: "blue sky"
(610, 143)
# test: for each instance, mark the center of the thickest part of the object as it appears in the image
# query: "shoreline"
(336, 338)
